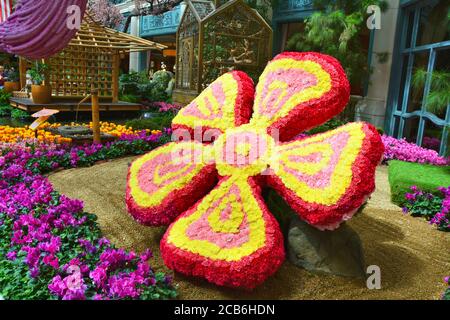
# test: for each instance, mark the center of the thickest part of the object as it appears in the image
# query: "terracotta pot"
(41, 94)
(11, 86)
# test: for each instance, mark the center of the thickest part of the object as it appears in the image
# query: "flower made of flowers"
(210, 193)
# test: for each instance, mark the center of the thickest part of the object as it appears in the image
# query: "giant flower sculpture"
(210, 193)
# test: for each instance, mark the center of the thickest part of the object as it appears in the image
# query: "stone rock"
(337, 252)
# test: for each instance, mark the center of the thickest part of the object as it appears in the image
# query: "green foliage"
(136, 86)
(129, 82)
(160, 82)
(446, 295)
(5, 111)
(157, 123)
(330, 125)
(15, 279)
(336, 30)
(439, 96)
(403, 175)
(13, 75)
(263, 6)
(8, 60)
(39, 72)
(4, 97)
(129, 98)
(19, 114)
(425, 205)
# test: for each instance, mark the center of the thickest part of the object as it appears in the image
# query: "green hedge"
(164, 120)
(403, 175)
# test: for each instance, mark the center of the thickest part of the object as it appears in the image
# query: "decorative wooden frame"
(92, 59)
(196, 23)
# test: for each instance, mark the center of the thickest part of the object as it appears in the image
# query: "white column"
(373, 107)
(134, 56)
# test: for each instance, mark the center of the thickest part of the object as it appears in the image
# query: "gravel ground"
(413, 256)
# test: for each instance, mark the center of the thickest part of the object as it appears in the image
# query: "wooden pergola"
(92, 59)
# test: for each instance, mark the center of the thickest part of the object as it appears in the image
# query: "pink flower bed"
(400, 149)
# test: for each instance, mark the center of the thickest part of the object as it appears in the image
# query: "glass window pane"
(438, 99)
(432, 136)
(446, 151)
(419, 76)
(396, 124)
(409, 29)
(433, 23)
(410, 129)
(403, 81)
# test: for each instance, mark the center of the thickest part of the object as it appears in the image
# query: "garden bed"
(412, 255)
(403, 175)
(49, 246)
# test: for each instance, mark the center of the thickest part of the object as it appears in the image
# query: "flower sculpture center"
(244, 151)
(210, 194)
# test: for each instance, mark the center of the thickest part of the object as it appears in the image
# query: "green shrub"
(157, 123)
(5, 111)
(13, 75)
(4, 97)
(157, 91)
(446, 295)
(19, 114)
(403, 175)
(129, 83)
(39, 72)
(129, 98)
(422, 204)
(336, 28)
(137, 85)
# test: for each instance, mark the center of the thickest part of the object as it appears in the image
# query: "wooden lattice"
(78, 68)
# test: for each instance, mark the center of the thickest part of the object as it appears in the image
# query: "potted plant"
(12, 81)
(41, 92)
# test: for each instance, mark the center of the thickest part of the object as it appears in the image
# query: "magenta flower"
(52, 261)
(99, 276)
(41, 223)
(403, 150)
(12, 255)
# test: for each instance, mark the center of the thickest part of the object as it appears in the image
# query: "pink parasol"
(44, 113)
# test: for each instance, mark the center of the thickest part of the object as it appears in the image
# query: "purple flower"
(52, 246)
(147, 255)
(99, 276)
(87, 245)
(410, 152)
(12, 255)
(52, 261)
(69, 288)
(123, 286)
(41, 222)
